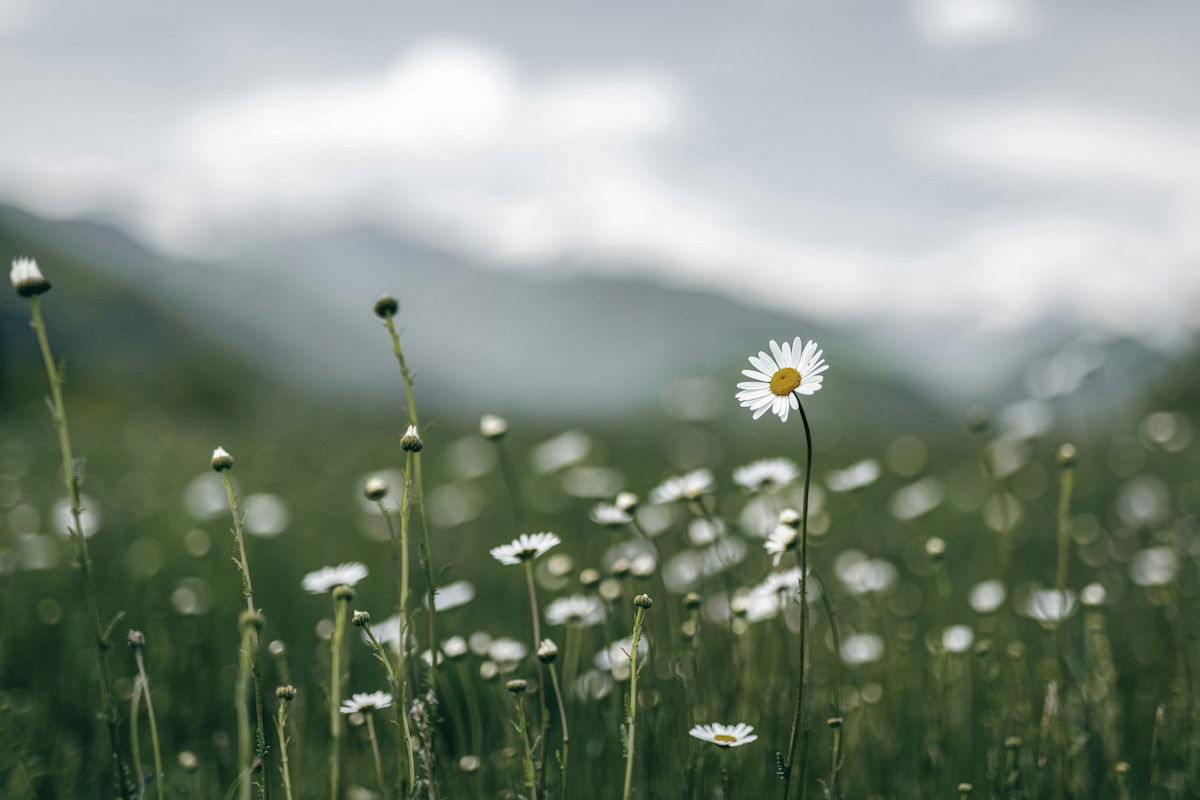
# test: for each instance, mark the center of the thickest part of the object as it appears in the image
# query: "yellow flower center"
(785, 381)
(725, 738)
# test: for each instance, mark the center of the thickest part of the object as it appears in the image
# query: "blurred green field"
(934, 680)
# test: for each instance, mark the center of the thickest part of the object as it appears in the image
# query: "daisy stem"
(71, 481)
(1066, 485)
(835, 765)
(335, 690)
(631, 714)
(281, 734)
(375, 754)
(798, 716)
(526, 750)
(245, 748)
(145, 684)
(566, 734)
(135, 745)
(535, 615)
(405, 752)
(726, 784)
(511, 483)
(243, 564)
(399, 676)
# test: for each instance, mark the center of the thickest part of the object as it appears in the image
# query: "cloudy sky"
(995, 160)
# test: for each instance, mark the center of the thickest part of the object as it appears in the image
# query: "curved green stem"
(631, 713)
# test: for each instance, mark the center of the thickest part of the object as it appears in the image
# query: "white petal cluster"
(782, 539)
(725, 735)
(366, 701)
(769, 473)
(525, 547)
(610, 516)
(579, 609)
(790, 369)
(690, 486)
(326, 579)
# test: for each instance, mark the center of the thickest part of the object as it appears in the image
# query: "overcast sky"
(991, 159)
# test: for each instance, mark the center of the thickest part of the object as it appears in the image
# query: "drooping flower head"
(366, 701)
(326, 579)
(725, 735)
(525, 547)
(776, 379)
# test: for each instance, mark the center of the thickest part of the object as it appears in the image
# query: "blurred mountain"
(479, 339)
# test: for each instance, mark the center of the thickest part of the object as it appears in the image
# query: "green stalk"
(535, 615)
(135, 745)
(145, 685)
(1066, 457)
(406, 749)
(281, 733)
(245, 748)
(335, 695)
(526, 750)
(71, 480)
(375, 754)
(264, 789)
(631, 712)
(802, 556)
(566, 733)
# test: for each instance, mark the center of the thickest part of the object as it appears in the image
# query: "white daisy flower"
(861, 648)
(492, 426)
(452, 595)
(455, 647)
(610, 516)
(782, 539)
(725, 735)
(507, 653)
(769, 473)
(691, 486)
(525, 547)
(579, 609)
(776, 379)
(1049, 606)
(26, 278)
(366, 701)
(856, 476)
(326, 579)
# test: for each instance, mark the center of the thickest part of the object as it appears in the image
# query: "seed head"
(376, 487)
(287, 692)
(27, 279)
(627, 502)
(547, 651)
(343, 592)
(692, 601)
(789, 517)
(492, 426)
(221, 460)
(1066, 456)
(386, 307)
(643, 601)
(411, 442)
(517, 686)
(360, 618)
(136, 639)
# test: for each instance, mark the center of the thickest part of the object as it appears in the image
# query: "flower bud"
(136, 639)
(789, 517)
(935, 547)
(286, 692)
(517, 686)
(590, 578)
(386, 307)
(492, 426)
(411, 442)
(1066, 456)
(834, 722)
(376, 487)
(27, 279)
(547, 651)
(965, 789)
(692, 601)
(277, 648)
(188, 760)
(643, 601)
(221, 460)
(360, 618)
(621, 568)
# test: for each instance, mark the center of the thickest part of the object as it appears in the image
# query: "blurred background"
(591, 214)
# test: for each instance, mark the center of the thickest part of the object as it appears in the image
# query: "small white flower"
(610, 516)
(579, 609)
(326, 579)
(525, 547)
(855, 476)
(507, 653)
(455, 647)
(987, 596)
(791, 369)
(492, 426)
(26, 278)
(1093, 595)
(1154, 566)
(1049, 606)
(861, 648)
(725, 735)
(769, 473)
(366, 701)
(957, 638)
(452, 595)
(782, 539)
(691, 486)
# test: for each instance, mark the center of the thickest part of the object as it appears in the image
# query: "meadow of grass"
(991, 613)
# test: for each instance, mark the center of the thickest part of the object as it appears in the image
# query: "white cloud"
(955, 23)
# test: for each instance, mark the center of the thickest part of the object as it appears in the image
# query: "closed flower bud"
(547, 651)
(965, 789)
(1013, 743)
(277, 648)
(1066, 456)
(136, 639)
(621, 568)
(188, 760)
(643, 601)
(286, 692)
(386, 307)
(360, 618)
(27, 279)
(789, 517)
(692, 601)
(517, 686)
(834, 722)
(935, 547)
(590, 578)
(492, 426)
(411, 442)
(221, 460)
(375, 488)
(627, 502)
(343, 593)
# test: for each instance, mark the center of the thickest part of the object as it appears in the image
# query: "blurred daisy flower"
(525, 547)
(366, 701)
(782, 539)
(610, 516)
(725, 735)
(777, 378)
(691, 486)
(326, 579)
(769, 473)
(579, 609)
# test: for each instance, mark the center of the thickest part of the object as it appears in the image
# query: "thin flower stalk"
(143, 684)
(375, 755)
(285, 694)
(526, 750)
(245, 737)
(405, 751)
(1066, 457)
(71, 481)
(641, 603)
(341, 603)
(535, 616)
